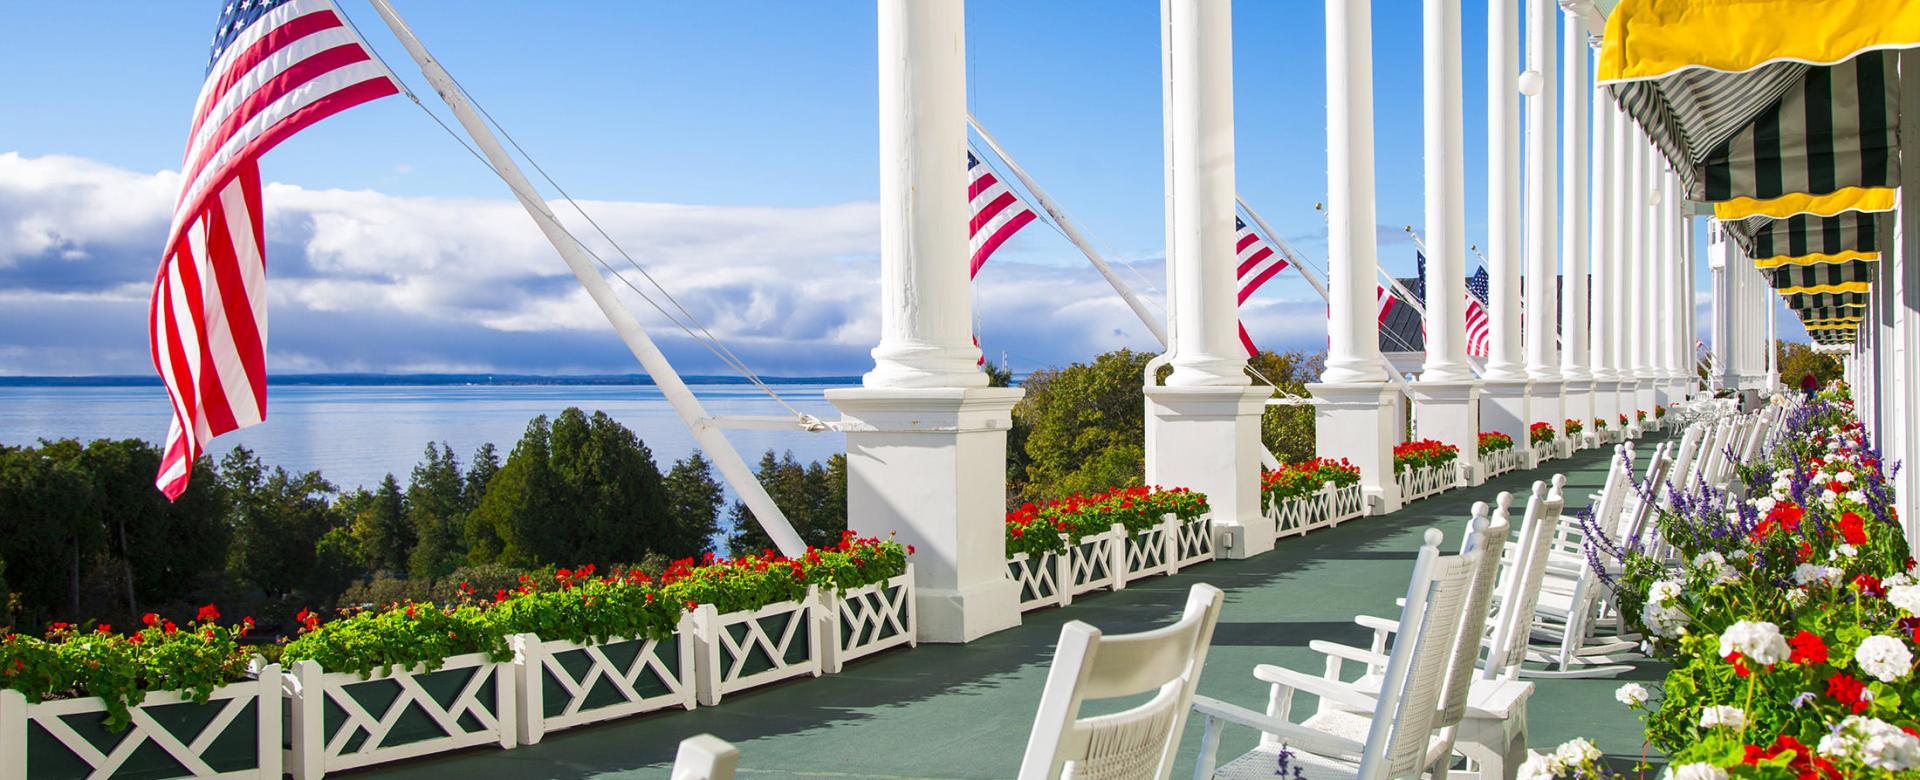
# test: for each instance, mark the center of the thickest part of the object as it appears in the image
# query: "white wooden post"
(1506, 388)
(13, 734)
(267, 722)
(926, 445)
(1543, 249)
(1203, 426)
(1447, 397)
(1604, 262)
(309, 743)
(1905, 259)
(1574, 368)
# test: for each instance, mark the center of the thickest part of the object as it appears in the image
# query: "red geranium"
(1853, 528)
(1808, 648)
(1845, 689)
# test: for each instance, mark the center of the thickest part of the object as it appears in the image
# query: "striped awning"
(1807, 240)
(1831, 317)
(1852, 276)
(1808, 301)
(1832, 337)
(1761, 99)
(1840, 201)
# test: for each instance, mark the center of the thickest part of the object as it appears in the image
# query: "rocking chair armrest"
(1316, 742)
(1348, 653)
(1335, 691)
(1376, 624)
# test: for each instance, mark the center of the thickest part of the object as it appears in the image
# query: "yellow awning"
(1815, 259)
(1834, 321)
(1870, 199)
(1648, 39)
(1834, 326)
(1843, 287)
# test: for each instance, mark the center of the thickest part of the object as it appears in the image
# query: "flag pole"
(1293, 258)
(1072, 231)
(725, 457)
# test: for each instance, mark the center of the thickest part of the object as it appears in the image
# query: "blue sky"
(730, 145)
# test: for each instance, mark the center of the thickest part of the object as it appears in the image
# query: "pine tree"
(381, 526)
(434, 511)
(519, 520)
(278, 520)
(694, 501)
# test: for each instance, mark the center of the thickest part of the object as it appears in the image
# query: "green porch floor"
(952, 711)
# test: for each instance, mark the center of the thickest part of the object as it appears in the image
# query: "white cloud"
(366, 281)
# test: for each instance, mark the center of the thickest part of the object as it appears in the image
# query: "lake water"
(355, 435)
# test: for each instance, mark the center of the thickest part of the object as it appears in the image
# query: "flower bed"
(86, 698)
(1318, 493)
(1083, 543)
(1423, 468)
(1791, 624)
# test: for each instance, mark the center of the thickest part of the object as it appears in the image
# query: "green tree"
(50, 530)
(1288, 430)
(193, 529)
(694, 501)
(813, 497)
(1797, 360)
(486, 464)
(1084, 426)
(521, 505)
(434, 509)
(337, 565)
(278, 519)
(616, 492)
(379, 522)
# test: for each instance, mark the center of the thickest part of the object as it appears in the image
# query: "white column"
(1666, 288)
(1542, 245)
(1507, 388)
(1604, 240)
(1203, 427)
(1355, 418)
(1721, 257)
(926, 458)
(1644, 296)
(1905, 258)
(1620, 295)
(1578, 404)
(1447, 398)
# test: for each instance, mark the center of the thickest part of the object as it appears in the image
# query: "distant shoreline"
(444, 380)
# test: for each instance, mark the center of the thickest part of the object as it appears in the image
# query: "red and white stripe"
(1479, 328)
(1383, 302)
(295, 65)
(1258, 262)
(996, 212)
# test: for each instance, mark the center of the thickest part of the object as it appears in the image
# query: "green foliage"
(123, 668)
(337, 565)
(1495, 441)
(1288, 430)
(1085, 427)
(694, 501)
(436, 511)
(1797, 360)
(278, 519)
(813, 497)
(1422, 454)
(379, 523)
(52, 526)
(416, 637)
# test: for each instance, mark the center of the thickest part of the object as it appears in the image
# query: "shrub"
(72, 661)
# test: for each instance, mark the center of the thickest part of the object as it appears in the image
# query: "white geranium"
(1541, 766)
(1898, 580)
(1906, 597)
(1813, 573)
(1759, 642)
(1765, 503)
(1716, 566)
(1855, 496)
(1699, 771)
(1843, 551)
(1722, 716)
(1829, 497)
(1884, 657)
(1575, 752)
(1659, 614)
(1663, 591)
(1874, 742)
(1631, 694)
(1797, 598)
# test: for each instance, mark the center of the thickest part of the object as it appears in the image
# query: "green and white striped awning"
(1832, 336)
(1782, 128)
(1807, 239)
(1849, 276)
(1813, 301)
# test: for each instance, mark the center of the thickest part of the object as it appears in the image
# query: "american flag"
(276, 66)
(1479, 327)
(1383, 302)
(997, 213)
(1258, 263)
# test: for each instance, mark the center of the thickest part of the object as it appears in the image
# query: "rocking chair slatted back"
(1521, 594)
(1137, 742)
(1472, 631)
(1416, 671)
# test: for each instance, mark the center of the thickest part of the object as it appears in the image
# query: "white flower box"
(1039, 580)
(235, 734)
(1418, 483)
(1497, 463)
(868, 619)
(1324, 508)
(1095, 562)
(1149, 552)
(340, 720)
(563, 684)
(750, 648)
(1192, 541)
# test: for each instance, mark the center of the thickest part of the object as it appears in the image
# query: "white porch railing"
(1327, 507)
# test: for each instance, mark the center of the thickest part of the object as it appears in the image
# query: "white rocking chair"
(1400, 739)
(1135, 743)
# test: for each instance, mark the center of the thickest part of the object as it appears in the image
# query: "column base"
(1506, 407)
(1606, 402)
(1357, 422)
(1207, 439)
(1577, 404)
(929, 466)
(1645, 396)
(1450, 412)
